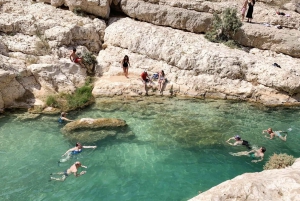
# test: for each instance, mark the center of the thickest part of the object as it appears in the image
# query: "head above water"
(63, 114)
(237, 137)
(263, 149)
(78, 145)
(77, 163)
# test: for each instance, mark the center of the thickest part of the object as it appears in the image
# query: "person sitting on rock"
(259, 153)
(75, 58)
(63, 118)
(161, 80)
(72, 170)
(74, 151)
(238, 141)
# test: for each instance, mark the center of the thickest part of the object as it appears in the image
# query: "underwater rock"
(88, 130)
(89, 123)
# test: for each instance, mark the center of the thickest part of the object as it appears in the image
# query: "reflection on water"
(179, 149)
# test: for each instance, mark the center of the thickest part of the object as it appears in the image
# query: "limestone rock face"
(62, 77)
(275, 185)
(167, 16)
(193, 67)
(10, 89)
(270, 38)
(90, 130)
(99, 8)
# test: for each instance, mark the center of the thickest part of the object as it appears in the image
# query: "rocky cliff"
(275, 185)
(36, 38)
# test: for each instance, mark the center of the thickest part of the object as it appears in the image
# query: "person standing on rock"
(244, 8)
(72, 170)
(125, 64)
(145, 79)
(250, 10)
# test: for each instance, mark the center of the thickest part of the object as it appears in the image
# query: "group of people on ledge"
(258, 153)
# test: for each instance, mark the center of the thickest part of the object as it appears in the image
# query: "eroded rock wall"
(275, 185)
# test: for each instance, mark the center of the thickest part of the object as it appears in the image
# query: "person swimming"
(72, 170)
(254, 154)
(238, 141)
(74, 151)
(274, 133)
(63, 118)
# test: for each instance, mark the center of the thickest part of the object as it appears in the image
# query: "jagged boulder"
(275, 185)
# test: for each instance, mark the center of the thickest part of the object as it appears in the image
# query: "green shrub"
(51, 101)
(223, 28)
(89, 59)
(279, 161)
(79, 98)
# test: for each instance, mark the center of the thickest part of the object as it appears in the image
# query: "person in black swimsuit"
(250, 10)
(125, 64)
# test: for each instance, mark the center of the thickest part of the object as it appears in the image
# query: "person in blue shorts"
(63, 118)
(74, 151)
(274, 134)
(72, 170)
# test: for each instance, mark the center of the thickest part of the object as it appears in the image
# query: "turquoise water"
(179, 150)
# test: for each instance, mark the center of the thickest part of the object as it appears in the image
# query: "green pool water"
(179, 149)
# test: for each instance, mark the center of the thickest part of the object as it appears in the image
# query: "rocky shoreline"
(36, 38)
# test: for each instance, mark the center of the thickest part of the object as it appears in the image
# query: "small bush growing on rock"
(279, 161)
(51, 101)
(224, 27)
(81, 97)
(89, 60)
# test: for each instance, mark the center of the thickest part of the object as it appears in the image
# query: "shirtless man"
(274, 133)
(72, 170)
(259, 153)
(238, 141)
(75, 58)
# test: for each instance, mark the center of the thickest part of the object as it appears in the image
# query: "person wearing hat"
(72, 170)
(238, 141)
(63, 118)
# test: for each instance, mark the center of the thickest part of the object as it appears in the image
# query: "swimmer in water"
(259, 153)
(274, 134)
(63, 118)
(238, 141)
(74, 151)
(72, 170)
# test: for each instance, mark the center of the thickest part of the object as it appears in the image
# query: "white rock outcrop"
(275, 185)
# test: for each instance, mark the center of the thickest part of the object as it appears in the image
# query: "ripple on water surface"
(179, 150)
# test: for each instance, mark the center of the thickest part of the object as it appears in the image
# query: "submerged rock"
(88, 130)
